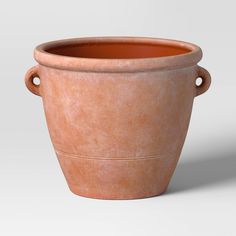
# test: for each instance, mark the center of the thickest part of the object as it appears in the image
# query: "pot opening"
(117, 50)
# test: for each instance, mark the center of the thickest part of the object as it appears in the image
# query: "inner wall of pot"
(117, 50)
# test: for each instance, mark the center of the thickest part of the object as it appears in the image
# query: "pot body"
(117, 135)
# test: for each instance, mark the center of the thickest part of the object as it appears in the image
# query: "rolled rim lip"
(117, 65)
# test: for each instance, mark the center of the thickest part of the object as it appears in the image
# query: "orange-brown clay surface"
(118, 110)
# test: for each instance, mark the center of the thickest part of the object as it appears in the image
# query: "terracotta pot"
(118, 110)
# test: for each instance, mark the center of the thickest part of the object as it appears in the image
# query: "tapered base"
(117, 178)
(76, 191)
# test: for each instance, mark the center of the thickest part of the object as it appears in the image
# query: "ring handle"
(206, 80)
(29, 80)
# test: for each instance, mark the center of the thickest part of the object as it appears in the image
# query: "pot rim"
(45, 58)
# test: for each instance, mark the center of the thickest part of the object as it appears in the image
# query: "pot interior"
(117, 50)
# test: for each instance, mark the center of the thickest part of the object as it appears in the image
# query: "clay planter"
(118, 110)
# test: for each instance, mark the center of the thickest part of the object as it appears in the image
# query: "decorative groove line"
(79, 156)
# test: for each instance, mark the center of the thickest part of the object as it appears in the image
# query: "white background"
(34, 198)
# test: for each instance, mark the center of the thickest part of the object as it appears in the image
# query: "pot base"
(76, 190)
(117, 178)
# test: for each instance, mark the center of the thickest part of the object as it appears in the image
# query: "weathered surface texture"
(118, 135)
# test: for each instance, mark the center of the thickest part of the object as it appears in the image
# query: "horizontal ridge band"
(69, 155)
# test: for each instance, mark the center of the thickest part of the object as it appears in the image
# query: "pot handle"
(206, 80)
(29, 80)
